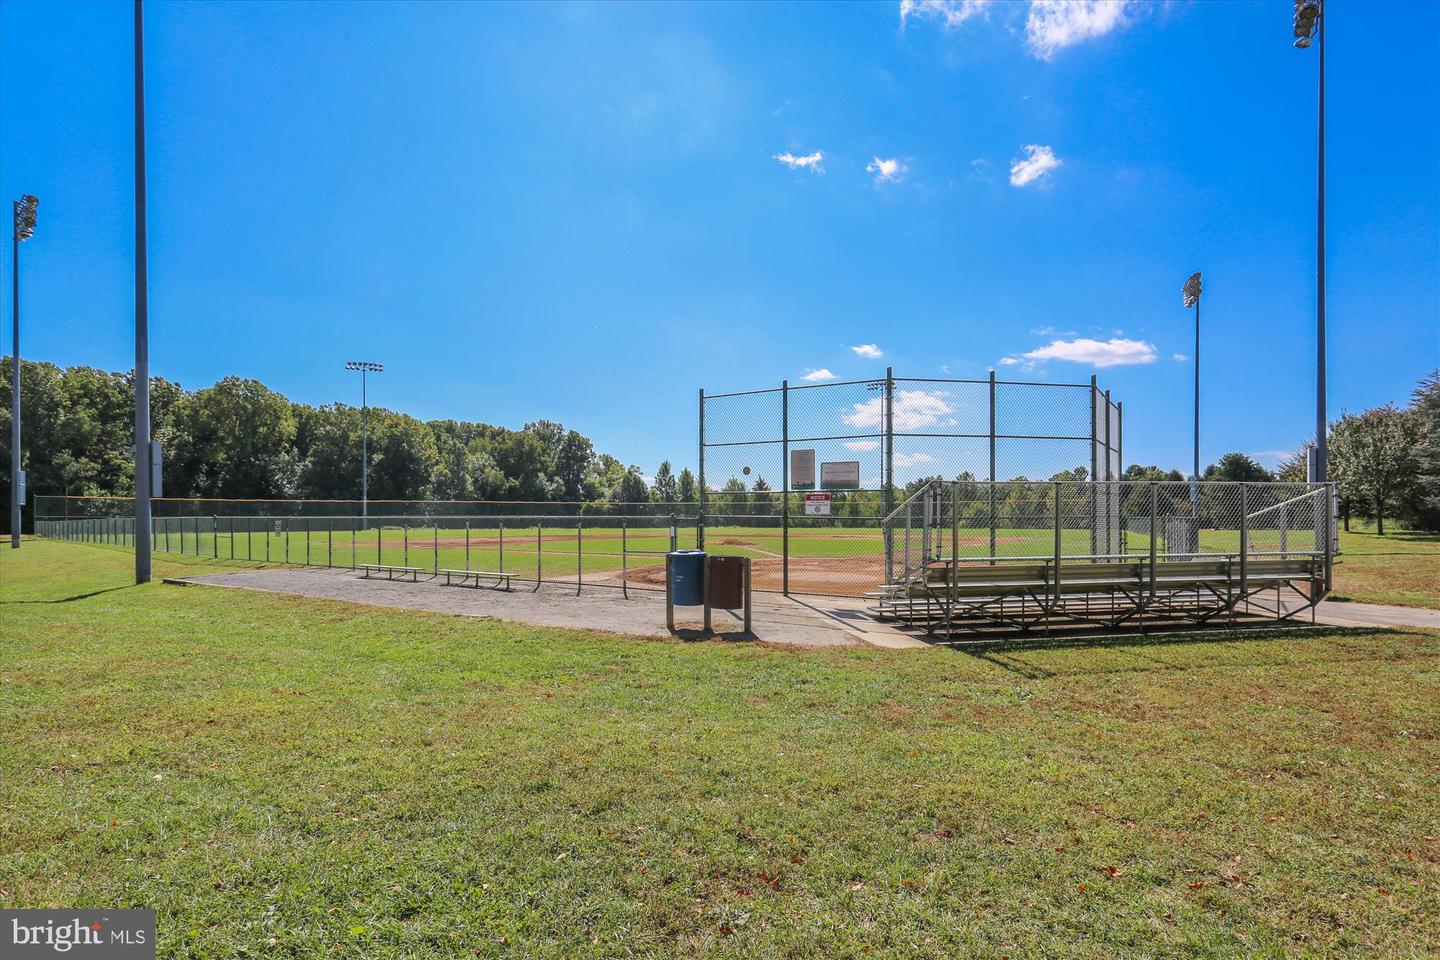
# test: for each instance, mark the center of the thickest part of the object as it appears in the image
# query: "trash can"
(687, 578)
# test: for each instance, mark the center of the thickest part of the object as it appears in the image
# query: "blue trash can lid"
(687, 553)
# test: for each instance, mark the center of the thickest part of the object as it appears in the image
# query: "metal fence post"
(579, 556)
(1244, 539)
(674, 533)
(539, 572)
(624, 563)
(993, 518)
(502, 546)
(329, 543)
(1097, 473)
(405, 537)
(1154, 536)
(215, 539)
(700, 530)
(467, 548)
(1058, 553)
(285, 532)
(436, 542)
(307, 541)
(785, 487)
(889, 470)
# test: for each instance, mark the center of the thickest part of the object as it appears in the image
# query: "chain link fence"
(879, 441)
(626, 552)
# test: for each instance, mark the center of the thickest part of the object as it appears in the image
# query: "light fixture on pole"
(24, 230)
(366, 368)
(1192, 291)
(1309, 29)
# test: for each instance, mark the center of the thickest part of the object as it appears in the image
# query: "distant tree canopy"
(240, 439)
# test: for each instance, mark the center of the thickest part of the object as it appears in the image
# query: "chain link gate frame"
(903, 431)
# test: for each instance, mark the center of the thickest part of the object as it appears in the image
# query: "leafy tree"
(330, 468)
(1295, 468)
(1422, 506)
(1237, 467)
(665, 485)
(234, 440)
(685, 488)
(572, 464)
(1373, 457)
(762, 501)
(404, 456)
(632, 487)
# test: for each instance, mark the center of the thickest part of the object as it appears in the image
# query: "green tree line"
(239, 439)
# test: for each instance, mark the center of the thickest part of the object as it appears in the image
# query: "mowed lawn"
(285, 777)
(1401, 568)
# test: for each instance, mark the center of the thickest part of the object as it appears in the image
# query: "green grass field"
(1401, 568)
(284, 777)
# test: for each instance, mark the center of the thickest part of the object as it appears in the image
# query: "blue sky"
(586, 212)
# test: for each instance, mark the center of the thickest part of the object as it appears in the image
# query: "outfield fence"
(849, 553)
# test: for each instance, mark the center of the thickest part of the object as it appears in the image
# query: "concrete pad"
(775, 619)
(1347, 614)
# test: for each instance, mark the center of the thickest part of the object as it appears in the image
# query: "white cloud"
(869, 351)
(861, 446)
(1274, 457)
(1115, 352)
(912, 459)
(810, 161)
(1054, 24)
(886, 171)
(913, 409)
(1039, 160)
(950, 12)
(1179, 357)
(823, 373)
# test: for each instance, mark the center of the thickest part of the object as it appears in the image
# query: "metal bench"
(472, 578)
(390, 571)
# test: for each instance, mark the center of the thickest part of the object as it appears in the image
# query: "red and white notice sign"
(817, 504)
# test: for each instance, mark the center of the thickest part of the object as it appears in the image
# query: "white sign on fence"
(840, 475)
(802, 469)
(817, 504)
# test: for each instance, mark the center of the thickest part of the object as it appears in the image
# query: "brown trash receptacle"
(726, 582)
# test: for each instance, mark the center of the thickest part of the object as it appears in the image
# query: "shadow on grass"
(1008, 654)
(72, 599)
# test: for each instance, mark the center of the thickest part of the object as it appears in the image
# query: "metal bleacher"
(974, 560)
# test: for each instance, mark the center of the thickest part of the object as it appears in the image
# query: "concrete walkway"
(811, 622)
(1375, 615)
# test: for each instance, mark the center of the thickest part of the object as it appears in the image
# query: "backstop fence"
(817, 459)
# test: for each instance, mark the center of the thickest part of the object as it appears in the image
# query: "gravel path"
(775, 619)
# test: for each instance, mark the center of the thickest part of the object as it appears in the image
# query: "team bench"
(391, 572)
(472, 578)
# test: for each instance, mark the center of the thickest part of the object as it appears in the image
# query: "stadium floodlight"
(365, 368)
(1307, 18)
(1191, 290)
(1309, 29)
(24, 230)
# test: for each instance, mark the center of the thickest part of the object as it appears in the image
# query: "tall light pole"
(366, 368)
(1192, 299)
(24, 230)
(1309, 29)
(143, 453)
